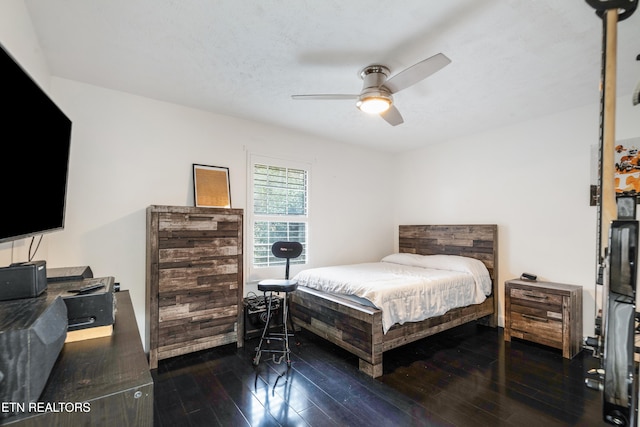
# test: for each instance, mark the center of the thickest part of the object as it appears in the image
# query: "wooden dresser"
(194, 280)
(546, 313)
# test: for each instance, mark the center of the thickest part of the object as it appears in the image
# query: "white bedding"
(406, 287)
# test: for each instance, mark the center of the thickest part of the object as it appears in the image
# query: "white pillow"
(445, 262)
(412, 260)
(439, 262)
(453, 262)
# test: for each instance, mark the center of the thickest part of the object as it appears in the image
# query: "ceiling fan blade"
(328, 96)
(416, 72)
(392, 116)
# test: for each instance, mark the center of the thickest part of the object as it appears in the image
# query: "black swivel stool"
(285, 250)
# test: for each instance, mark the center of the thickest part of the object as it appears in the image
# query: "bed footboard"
(355, 328)
(399, 335)
(358, 329)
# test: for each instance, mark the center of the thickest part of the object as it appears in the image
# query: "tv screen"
(36, 137)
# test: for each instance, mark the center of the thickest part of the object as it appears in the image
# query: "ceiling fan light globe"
(374, 104)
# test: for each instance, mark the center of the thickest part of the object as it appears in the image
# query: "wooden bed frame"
(358, 328)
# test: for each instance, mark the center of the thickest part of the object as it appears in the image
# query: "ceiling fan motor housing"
(374, 77)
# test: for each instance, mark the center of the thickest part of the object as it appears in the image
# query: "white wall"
(129, 152)
(532, 179)
(18, 37)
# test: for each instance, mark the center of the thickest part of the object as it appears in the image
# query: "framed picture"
(627, 166)
(626, 170)
(211, 186)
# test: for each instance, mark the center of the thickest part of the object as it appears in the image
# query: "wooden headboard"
(478, 241)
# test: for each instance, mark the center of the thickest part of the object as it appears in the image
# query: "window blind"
(280, 211)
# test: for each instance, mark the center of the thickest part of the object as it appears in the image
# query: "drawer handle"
(539, 319)
(536, 296)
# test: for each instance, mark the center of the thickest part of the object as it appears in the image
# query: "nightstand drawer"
(536, 326)
(536, 296)
(537, 310)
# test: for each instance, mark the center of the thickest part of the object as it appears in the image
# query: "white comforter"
(406, 287)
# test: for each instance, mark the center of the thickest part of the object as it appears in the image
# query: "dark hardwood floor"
(467, 376)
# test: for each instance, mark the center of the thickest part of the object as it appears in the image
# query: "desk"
(111, 374)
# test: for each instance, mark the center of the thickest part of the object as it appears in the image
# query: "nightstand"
(546, 313)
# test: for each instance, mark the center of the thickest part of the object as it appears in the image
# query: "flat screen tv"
(36, 138)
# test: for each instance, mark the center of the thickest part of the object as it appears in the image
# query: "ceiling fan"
(377, 92)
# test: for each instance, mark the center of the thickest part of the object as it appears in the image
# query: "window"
(279, 209)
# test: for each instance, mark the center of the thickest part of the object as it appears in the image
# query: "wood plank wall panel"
(478, 241)
(475, 241)
(194, 279)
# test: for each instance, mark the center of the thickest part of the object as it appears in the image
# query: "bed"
(358, 328)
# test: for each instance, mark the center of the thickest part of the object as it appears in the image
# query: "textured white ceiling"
(512, 60)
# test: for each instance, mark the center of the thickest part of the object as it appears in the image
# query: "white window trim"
(255, 274)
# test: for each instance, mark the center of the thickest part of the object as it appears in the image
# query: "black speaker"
(23, 280)
(90, 302)
(68, 274)
(32, 333)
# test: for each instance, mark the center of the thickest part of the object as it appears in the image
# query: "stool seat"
(278, 285)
